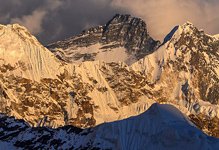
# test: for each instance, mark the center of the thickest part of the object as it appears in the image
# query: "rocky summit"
(123, 38)
(105, 74)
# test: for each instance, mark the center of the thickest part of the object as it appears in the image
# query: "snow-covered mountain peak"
(166, 113)
(189, 28)
(188, 24)
(186, 65)
(20, 32)
(123, 36)
(188, 34)
(24, 54)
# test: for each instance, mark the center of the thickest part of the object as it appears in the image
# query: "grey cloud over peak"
(52, 20)
(163, 15)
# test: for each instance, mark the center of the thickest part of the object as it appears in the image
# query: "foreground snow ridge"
(162, 126)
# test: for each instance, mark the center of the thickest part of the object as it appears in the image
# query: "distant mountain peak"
(24, 52)
(122, 34)
(187, 31)
(21, 33)
(122, 15)
(188, 23)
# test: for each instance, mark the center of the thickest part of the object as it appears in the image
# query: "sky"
(52, 20)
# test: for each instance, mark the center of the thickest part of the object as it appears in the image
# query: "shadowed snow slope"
(161, 127)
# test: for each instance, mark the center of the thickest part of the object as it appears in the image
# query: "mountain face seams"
(41, 89)
(160, 127)
(130, 31)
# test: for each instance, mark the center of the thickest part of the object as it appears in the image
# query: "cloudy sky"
(52, 20)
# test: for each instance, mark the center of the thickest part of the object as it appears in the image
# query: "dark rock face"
(120, 31)
(129, 32)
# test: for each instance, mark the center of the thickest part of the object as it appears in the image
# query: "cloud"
(52, 20)
(76, 15)
(32, 22)
(162, 15)
(17, 8)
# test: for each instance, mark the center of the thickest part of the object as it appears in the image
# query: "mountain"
(160, 127)
(36, 85)
(21, 51)
(24, 64)
(123, 38)
(185, 71)
(45, 90)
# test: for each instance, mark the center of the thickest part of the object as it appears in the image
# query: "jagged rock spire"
(121, 31)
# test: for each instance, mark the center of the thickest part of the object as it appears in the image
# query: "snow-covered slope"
(183, 72)
(20, 50)
(37, 87)
(123, 38)
(161, 127)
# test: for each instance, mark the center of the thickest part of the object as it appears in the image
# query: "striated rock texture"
(161, 127)
(45, 91)
(123, 34)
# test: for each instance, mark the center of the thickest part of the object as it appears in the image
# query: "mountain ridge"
(86, 94)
